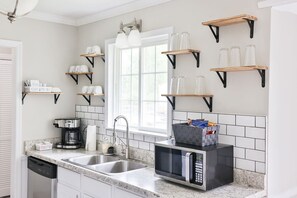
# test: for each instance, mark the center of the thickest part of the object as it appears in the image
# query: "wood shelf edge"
(86, 94)
(187, 95)
(239, 68)
(179, 52)
(230, 20)
(43, 93)
(74, 73)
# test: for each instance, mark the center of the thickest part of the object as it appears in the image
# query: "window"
(137, 79)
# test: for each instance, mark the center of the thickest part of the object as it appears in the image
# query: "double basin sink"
(110, 165)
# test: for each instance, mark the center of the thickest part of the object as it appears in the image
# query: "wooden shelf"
(91, 58)
(204, 96)
(230, 21)
(74, 76)
(224, 70)
(56, 95)
(87, 96)
(171, 55)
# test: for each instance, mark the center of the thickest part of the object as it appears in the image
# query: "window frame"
(157, 37)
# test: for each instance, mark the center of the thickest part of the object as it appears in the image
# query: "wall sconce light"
(133, 39)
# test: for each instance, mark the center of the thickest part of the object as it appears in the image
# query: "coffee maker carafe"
(71, 136)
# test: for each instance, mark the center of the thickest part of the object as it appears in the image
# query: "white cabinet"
(67, 192)
(86, 196)
(94, 188)
(119, 193)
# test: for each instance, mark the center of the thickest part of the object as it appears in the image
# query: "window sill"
(135, 131)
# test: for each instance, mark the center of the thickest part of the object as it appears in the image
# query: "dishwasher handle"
(43, 168)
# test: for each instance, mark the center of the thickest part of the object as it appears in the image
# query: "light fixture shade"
(23, 8)
(122, 41)
(134, 38)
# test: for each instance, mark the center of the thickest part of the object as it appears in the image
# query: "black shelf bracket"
(172, 60)
(87, 98)
(56, 98)
(223, 78)
(216, 33)
(91, 60)
(23, 97)
(197, 57)
(103, 58)
(209, 104)
(263, 76)
(172, 102)
(251, 24)
(75, 77)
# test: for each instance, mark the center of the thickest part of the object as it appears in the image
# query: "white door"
(7, 100)
(67, 192)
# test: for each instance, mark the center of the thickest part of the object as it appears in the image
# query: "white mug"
(89, 50)
(84, 89)
(97, 90)
(78, 69)
(90, 89)
(96, 49)
(72, 69)
(84, 68)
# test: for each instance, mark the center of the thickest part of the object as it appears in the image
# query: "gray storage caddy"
(185, 134)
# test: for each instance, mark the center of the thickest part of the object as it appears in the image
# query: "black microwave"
(203, 168)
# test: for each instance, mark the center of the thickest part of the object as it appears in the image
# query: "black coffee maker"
(71, 135)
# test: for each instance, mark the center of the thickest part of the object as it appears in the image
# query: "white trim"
(17, 136)
(126, 8)
(271, 3)
(287, 194)
(42, 16)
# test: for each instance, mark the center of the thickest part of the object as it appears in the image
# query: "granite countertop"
(143, 181)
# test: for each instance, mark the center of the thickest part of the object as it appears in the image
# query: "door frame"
(16, 155)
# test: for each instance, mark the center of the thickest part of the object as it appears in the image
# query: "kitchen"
(55, 35)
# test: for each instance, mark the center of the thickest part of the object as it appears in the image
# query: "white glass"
(184, 41)
(200, 85)
(90, 89)
(180, 87)
(122, 41)
(84, 89)
(24, 6)
(96, 49)
(250, 55)
(174, 42)
(235, 56)
(172, 86)
(134, 38)
(224, 57)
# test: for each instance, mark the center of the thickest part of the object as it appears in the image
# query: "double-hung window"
(137, 78)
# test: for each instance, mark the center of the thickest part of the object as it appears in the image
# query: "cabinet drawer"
(69, 177)
(119, 193)
(95, 188)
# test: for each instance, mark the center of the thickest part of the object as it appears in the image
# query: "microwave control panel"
(198, 169)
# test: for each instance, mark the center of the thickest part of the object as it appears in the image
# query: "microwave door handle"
(188, 161)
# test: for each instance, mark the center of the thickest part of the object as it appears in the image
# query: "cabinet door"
(95, 188)
(67, 192)
(119, 193)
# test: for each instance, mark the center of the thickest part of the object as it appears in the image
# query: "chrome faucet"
(127, 134)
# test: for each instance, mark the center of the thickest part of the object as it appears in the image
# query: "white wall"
(282, 158)
(244, 93)
(48, 50)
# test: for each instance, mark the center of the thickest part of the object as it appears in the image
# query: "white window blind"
(6, 120)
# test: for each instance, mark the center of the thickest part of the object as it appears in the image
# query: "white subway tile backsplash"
(226, 119)
(98, 110)
(109, 132)
(245, 142)
(138, 137)
(255, 132)
(95, 116)
(261, 122)
(260, 145)
(133, 143)
(149, 138)
(255, 155)
(91, 122)
(212, 117)
(152, 147)
(193, 116)
(225, 139)
(178, 115)
(77, 108)
(239, 152)
(245, 164)
(235, 130)
(260, 167)
(91, 109)
(223, 129)
(144, 145)
(101, 117)
(176, 122)
(84, 108)
(88, 115)
(245, 120)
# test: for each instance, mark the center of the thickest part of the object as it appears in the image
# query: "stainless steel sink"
(88, 160)
(117, 167)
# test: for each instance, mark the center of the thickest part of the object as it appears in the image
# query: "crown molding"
(123, 9)
(42, 16)
(271, 3)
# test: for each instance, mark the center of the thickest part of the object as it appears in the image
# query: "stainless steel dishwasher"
(42, 179)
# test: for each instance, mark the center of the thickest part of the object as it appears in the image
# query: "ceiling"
(81, 12)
